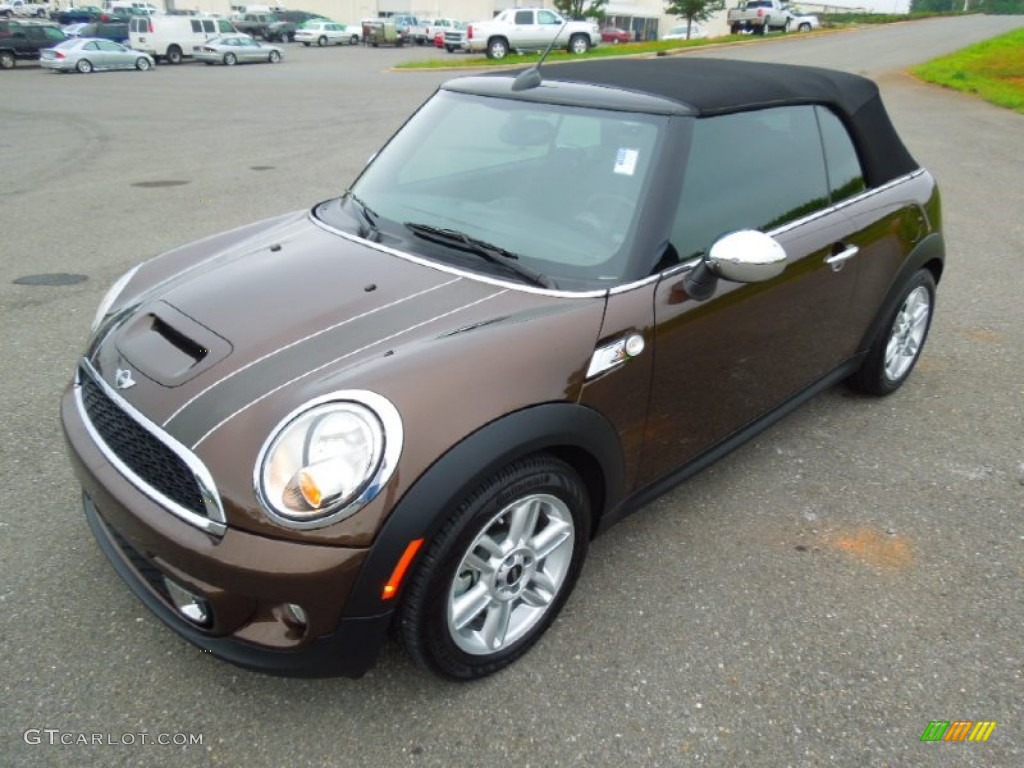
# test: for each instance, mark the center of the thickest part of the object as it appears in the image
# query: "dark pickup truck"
(24, 39)
(265, 25)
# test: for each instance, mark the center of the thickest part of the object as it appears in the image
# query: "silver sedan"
(236, 50)
(85, 54)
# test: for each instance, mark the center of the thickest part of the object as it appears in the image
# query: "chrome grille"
(147, 457)
(160, 466)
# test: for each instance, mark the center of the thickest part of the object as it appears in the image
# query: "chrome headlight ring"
(328, 458)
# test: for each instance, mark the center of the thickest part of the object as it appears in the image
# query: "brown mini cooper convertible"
(545, 301)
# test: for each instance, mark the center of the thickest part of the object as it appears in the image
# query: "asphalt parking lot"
(816, 598)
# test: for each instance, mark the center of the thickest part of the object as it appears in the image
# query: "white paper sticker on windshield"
(625, 161)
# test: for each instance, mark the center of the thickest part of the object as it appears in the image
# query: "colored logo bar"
(958, 730)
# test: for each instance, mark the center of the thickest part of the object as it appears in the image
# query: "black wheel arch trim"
(929, 253)
(567, 430)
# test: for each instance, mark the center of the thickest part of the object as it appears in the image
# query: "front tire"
(230, 59)
(499, 571)
(7, 60)
(896, 349)
(322, 41)
(274, 57)
(578, 45)
(142, 64)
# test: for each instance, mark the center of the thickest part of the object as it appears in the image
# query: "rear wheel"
(895, 350)
(579, 44)
(354, 40)
(497, 48)
(306, 44)
(450, 48)
(804, 27)
(230, 59)
(174, 55)
(322, 41)
(142, 64)
(498, 573)
(84, 66)
(6, 60)
(274, 57)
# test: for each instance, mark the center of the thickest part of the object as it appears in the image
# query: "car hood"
(205, 335)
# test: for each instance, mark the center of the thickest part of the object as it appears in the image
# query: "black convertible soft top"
(708, 87)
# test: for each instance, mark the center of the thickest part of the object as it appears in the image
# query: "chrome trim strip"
(605, 291)
(258, 360)
(455, 270)
(392, 435)
(329, 363)
(216, 522)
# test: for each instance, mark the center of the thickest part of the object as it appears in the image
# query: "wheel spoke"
(540, 591)
(554, 535)
(478, 564)
(523, 522)
(496, 625)
(468, 606)
(493, 548)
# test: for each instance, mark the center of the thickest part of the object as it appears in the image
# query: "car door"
(527, 33)
(548, 25)
(724, 362)
(110, 54)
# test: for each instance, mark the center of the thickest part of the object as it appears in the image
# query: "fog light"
(192, 607)
(295, 614)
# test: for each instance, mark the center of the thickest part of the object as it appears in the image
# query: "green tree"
(581, 9)
(692, 10)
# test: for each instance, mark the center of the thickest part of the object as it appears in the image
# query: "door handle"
(837, 260)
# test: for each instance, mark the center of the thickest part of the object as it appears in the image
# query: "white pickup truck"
(529, 29)
(758, 16)
(24, 8)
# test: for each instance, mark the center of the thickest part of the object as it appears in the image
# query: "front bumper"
(246, 580)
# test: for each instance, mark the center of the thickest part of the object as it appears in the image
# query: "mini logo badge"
(124, 379)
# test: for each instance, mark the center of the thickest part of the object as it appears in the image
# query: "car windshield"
(560, 188)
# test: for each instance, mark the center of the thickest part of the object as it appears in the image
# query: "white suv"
(326, 33)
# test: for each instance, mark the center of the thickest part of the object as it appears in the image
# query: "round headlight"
(111, 296)
(327, 460)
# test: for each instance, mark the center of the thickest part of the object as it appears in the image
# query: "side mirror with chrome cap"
(747, 256)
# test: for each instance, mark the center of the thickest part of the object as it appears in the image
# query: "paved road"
(814, 599)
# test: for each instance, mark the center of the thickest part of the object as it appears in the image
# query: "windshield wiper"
(492, 253)
(369, 227)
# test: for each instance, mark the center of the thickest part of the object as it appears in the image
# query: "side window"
(547, 17)
(196, 26)
(751, 170)
(52, 33)
(208, 26)
(225, 26)
(845, 176)
(524, 17)
(108, 45)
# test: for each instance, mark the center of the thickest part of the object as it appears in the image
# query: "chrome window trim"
(216, 522)
(392, 432)
(626, 287)
(456, 270)
(834, 208)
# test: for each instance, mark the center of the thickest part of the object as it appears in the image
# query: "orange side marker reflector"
(391, 588)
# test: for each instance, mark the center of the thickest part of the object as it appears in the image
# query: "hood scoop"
(168, 346)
